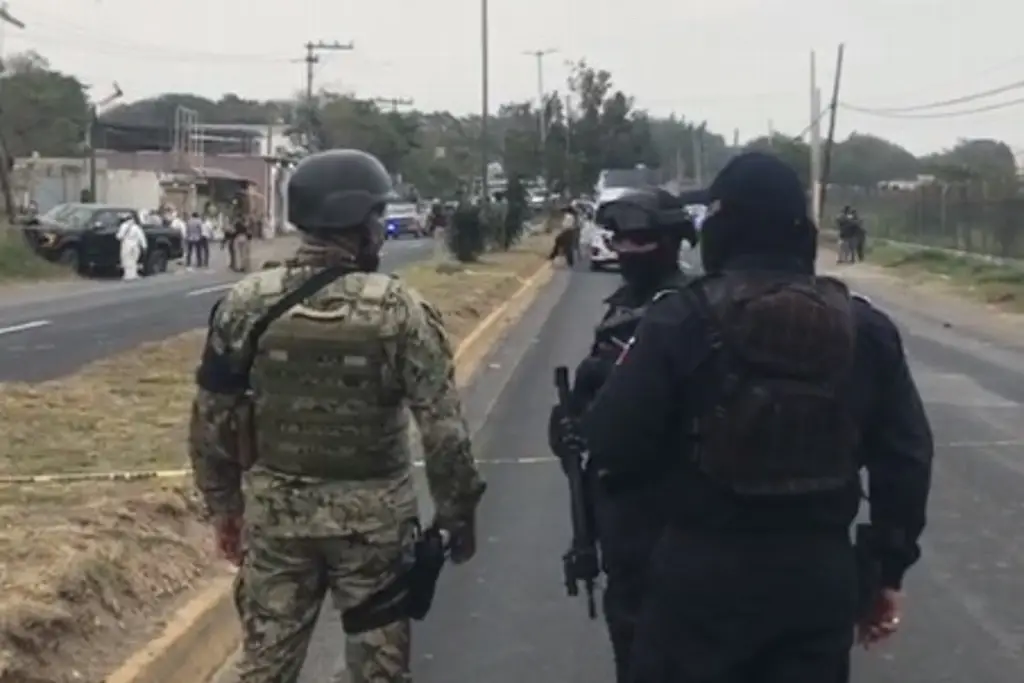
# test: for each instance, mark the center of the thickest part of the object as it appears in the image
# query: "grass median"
(999, 284)
(89, 568)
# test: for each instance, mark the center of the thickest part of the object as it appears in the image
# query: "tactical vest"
(327, 402)
(782, 349)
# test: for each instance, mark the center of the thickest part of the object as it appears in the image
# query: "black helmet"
(336, 190)
(645, 210)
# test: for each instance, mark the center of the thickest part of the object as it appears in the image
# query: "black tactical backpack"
(782, 350)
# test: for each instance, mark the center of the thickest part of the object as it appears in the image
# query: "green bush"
(466, 237)
(492, 217)
(19, 262)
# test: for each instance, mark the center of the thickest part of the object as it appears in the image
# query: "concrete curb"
(204, 634)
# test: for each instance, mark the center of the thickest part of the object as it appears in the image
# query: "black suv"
(84, 237)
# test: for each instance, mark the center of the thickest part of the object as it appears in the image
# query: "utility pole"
(815, 130)
(393, 102)
(311, 59)
(94, 110)
(826, 166)
(5, 179)
(484, 97)
(539, 55)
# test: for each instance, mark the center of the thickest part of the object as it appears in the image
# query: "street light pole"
(484, 98)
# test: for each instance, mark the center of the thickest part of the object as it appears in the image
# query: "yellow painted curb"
(204, 633)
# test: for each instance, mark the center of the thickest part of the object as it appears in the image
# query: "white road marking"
(211, 288)
(24, 326)
(1008, 443)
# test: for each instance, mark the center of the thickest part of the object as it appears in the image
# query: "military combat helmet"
(646, 212)
(337, 190)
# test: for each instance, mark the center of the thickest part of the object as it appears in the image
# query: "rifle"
(579, 564)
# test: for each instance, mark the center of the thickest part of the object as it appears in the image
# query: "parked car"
(601, 254)
(84, 238)
(404, 218)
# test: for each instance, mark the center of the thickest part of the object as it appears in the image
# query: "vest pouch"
(327, 404)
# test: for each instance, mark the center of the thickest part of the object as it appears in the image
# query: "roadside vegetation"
(992, 282)
(18, 262)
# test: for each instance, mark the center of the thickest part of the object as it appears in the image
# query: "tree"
(43, 110)
(981, 158)
(866, 160)
(161, 110)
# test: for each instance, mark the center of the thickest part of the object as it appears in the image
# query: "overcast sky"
(739, 64)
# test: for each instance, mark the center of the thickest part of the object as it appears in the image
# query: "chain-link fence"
(970, 217)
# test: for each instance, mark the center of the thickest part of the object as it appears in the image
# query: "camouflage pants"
(278, 593)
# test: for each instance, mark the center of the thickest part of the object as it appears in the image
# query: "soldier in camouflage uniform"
(313, 420)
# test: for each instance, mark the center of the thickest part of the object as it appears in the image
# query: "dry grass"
(88, 569)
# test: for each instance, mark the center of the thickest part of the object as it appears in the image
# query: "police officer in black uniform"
(756, 395)
(648, 226)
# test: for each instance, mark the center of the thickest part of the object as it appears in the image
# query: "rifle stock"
(579, 563)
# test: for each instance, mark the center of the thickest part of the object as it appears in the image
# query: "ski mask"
(649, 226)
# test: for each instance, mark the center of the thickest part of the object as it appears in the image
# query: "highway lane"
(504, 618)
(62, 326)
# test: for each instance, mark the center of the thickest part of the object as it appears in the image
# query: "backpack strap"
(314, 284)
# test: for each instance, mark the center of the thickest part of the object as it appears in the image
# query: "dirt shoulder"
(89, 569)
(969, 293)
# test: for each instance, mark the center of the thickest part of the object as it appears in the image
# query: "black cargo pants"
(628, 526)
(760, 610)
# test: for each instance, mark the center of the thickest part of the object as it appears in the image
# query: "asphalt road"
(52, 329)
(504, 618)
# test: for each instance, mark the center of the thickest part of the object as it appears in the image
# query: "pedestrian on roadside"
(205, 240)
(193, 241)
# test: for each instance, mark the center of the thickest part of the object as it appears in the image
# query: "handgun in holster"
(411, 594)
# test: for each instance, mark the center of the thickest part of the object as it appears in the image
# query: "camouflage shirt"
(290, 505)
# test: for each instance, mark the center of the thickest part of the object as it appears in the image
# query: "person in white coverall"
(133, 242)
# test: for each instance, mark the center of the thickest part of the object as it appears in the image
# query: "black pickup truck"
(84, 237)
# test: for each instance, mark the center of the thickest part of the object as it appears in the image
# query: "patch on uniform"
(625, 351)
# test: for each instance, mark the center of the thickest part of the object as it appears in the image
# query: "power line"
(149, 53)
(939, 115)
(938, 104)
(821, 115)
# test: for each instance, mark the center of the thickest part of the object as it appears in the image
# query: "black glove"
(564, 436)
(461, 537)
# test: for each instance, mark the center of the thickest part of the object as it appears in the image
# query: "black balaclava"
(757, 207)
(647, 270)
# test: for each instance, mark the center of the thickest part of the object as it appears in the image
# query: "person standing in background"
(193, 241)
(206, 237)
